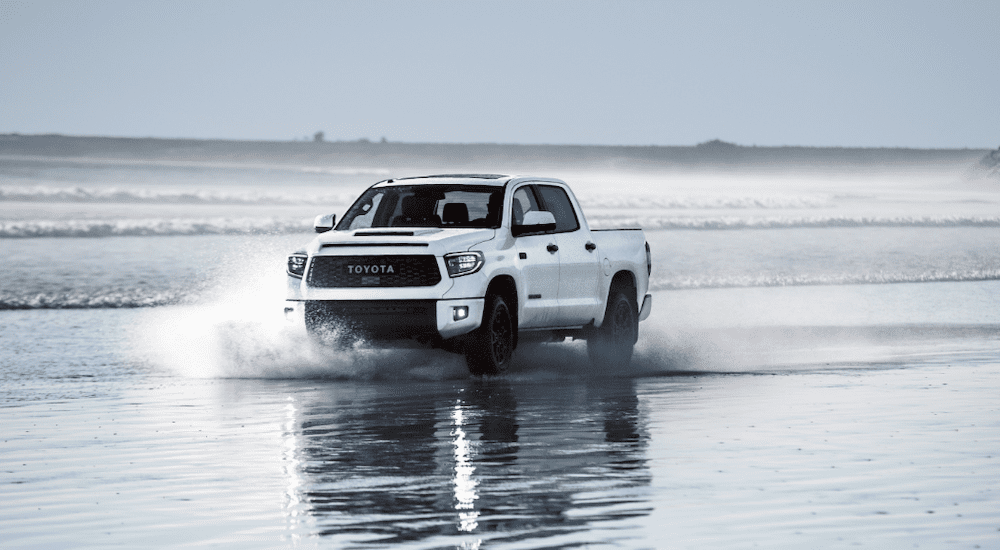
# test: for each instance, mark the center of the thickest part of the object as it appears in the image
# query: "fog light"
(460, 312)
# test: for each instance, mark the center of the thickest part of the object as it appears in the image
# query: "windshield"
(426, 206)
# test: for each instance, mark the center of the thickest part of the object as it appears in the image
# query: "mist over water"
(707, 229)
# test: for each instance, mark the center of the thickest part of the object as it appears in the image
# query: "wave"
(197, 164)
(79, 194)
(274, 226)
(151, 227)
(709, 202)
(776, 222)
(113, 299)
(146, 298)
(345, 171)
(151, 196)
(777, 280)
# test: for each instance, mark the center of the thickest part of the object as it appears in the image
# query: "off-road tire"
(611, 346)
(490, 348)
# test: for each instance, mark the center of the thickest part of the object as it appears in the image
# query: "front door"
(538, 261)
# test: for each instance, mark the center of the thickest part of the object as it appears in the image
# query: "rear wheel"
(490, 348)
(611, 346)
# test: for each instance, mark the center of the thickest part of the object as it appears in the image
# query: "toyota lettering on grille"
(370, 269)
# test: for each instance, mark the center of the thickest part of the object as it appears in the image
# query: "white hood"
(425, 240)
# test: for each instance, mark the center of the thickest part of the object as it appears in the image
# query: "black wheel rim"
(501, 342)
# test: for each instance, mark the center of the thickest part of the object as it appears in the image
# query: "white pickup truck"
(471, 263)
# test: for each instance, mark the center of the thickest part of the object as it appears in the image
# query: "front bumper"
(388, 320)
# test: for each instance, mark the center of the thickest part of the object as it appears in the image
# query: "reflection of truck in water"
(415, 464)
(473, 264)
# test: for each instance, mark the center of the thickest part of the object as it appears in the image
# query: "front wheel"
(613, 343)
(490, 348)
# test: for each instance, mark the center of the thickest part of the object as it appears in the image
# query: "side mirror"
(535, 222)
(325, 222)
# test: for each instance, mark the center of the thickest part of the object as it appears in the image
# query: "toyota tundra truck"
(474, 264)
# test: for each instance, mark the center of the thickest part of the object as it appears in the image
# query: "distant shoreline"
(709, 155)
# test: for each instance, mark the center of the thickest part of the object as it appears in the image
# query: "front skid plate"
(373, 319)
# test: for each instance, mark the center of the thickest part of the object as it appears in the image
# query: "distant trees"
(990, 164)
(320, 137)
(717, 144)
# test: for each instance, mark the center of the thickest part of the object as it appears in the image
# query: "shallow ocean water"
(820, 370)
(742, 435)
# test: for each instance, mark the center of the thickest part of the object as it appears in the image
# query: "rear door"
(579, 259)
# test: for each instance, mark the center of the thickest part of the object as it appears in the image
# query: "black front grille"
(372, 319)
(373, 271)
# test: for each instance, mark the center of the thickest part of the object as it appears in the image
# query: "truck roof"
(466, 179)
(459, 179)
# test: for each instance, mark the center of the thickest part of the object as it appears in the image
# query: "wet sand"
(720, 437)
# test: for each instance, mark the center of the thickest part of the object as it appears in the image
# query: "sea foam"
(114, 195)
(22, 229)
(152, 297)
(151, 227)
(787, 222)
(711, 280)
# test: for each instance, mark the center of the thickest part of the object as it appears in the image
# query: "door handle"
(590, 247)
(552, 248)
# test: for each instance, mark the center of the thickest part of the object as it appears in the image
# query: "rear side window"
(556, 200)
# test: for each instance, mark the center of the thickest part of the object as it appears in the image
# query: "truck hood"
(437, 241)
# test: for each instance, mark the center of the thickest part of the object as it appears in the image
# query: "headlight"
(297, 265)
(463, 263)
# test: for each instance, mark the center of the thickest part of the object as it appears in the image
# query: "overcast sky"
(836, 73)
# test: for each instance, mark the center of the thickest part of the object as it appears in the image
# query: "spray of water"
(237, 330)
(224, 340)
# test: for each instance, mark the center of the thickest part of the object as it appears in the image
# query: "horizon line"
(713, 143)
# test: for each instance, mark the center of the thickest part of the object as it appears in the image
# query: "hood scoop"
(368, 243)
(383, 234)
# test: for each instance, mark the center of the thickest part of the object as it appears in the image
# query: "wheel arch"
(625, 281)
(506, 286)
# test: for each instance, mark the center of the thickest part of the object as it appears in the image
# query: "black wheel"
(611, 346)
(490, 348)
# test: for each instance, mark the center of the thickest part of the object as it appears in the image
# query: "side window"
(557, 201)
(522, 203)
